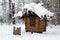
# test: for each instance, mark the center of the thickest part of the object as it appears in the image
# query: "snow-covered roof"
(37, 8)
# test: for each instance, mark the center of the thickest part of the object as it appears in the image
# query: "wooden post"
(10, 11)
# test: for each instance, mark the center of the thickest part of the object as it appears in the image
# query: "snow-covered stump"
(16, 31)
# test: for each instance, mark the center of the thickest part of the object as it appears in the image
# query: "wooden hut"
(33, 23)
(32, 14)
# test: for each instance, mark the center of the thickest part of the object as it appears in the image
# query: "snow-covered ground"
(6, 33)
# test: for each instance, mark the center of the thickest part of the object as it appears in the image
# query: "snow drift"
(18, 14)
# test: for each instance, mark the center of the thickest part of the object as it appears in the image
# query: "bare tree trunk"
(10, 11)
(13, 12)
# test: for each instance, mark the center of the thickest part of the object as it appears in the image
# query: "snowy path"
(6, 33)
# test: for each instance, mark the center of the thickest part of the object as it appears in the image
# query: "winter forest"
(5, 11)
(24, 15)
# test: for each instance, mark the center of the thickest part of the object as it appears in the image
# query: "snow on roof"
(29, 6)
(38, 9)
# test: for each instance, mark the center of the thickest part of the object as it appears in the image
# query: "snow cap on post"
(18, 14)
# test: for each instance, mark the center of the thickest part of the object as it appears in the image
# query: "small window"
(32, 21)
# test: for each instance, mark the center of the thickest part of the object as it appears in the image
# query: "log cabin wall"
(29, 27)
(40, 25)
(43, 25)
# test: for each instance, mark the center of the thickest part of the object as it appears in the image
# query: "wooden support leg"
(40, 32)
(31, 32)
